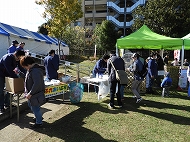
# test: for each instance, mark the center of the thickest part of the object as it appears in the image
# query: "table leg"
(17, 107)
(88, 87)
(11, 109)
(63, 96)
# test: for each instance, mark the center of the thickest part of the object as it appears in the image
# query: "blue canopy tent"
(35, 42)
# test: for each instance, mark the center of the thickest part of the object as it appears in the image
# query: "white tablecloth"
(103, 85)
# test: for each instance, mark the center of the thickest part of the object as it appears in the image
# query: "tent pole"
(182, 55)
(117, 53)
(162, 53)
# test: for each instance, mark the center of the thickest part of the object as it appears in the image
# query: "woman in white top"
(175, 62)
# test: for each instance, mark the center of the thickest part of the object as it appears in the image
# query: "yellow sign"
(56, 89)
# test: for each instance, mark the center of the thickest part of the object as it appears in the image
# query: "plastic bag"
(76, 92)
(104, 89)
(66, 78)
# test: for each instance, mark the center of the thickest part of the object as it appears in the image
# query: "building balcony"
(118, 23)
(128, 9)
(90, 15)
(96, 2)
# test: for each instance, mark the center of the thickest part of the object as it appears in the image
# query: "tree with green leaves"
(75, 38)
(60, 14)
(105, 36)
(43, 29)
(165, 17)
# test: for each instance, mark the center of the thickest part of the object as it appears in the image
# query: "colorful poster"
(183, 79)
(55, 90)
(177, 54)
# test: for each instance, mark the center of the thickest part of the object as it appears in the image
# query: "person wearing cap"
(51, 64)
(119, 64)
(136, 67)
(8, 63)
(166, 83)
(13, 47)
(21, 46)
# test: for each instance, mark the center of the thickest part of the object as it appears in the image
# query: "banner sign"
(55, 90)
(177, 54)
(183, 79)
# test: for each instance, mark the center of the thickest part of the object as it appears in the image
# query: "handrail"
(128, 9)
(119, 24)
(64, 63)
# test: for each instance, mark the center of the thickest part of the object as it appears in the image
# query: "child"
(166, 83)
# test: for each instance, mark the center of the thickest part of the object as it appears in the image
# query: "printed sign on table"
(55, 90)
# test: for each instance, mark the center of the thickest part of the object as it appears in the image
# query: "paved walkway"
(13, 131)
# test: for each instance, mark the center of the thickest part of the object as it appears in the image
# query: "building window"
(78, 23)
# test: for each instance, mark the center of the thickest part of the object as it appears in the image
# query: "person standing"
(21, 46)
(136, 67)
(166, 58)
(51, 63)
(7, 64)
(13, 47)
(186, 63)
(152, 72)
(160, 67)
(100, 68)
(175, 62)
(34, 87)
(119, 64)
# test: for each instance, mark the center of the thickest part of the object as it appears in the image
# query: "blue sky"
(21, 13)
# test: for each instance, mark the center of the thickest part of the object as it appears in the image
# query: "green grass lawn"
(155, 119)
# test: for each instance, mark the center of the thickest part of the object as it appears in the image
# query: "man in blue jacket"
(152, 72)
(7, 64)
(166, 83)
(13, 47)
(51, 63)
(100, 68)
(21, 46)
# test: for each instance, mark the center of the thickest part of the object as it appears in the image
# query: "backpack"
(144, 70)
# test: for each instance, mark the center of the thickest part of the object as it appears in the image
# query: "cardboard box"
(14, 85)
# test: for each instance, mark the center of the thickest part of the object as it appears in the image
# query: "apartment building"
(119, 12)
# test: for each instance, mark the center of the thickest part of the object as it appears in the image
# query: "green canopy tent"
(186, 42)
(144, 38)
(186, 45)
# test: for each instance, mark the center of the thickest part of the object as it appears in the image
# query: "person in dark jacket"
(160, 67)
(34, 87)
(51, 63)
(100, 68)
(166, 83)
(21, 46)
(186, 63)
(7, 64)
(136, 67)
(160, 62)
(166, 58)
(119, 64)
(13, 47)
(152, 72)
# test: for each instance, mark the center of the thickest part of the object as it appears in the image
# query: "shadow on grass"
(173, 94)
(70, 127)
(130, 105)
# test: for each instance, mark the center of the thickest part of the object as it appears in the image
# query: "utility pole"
(125, 9)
